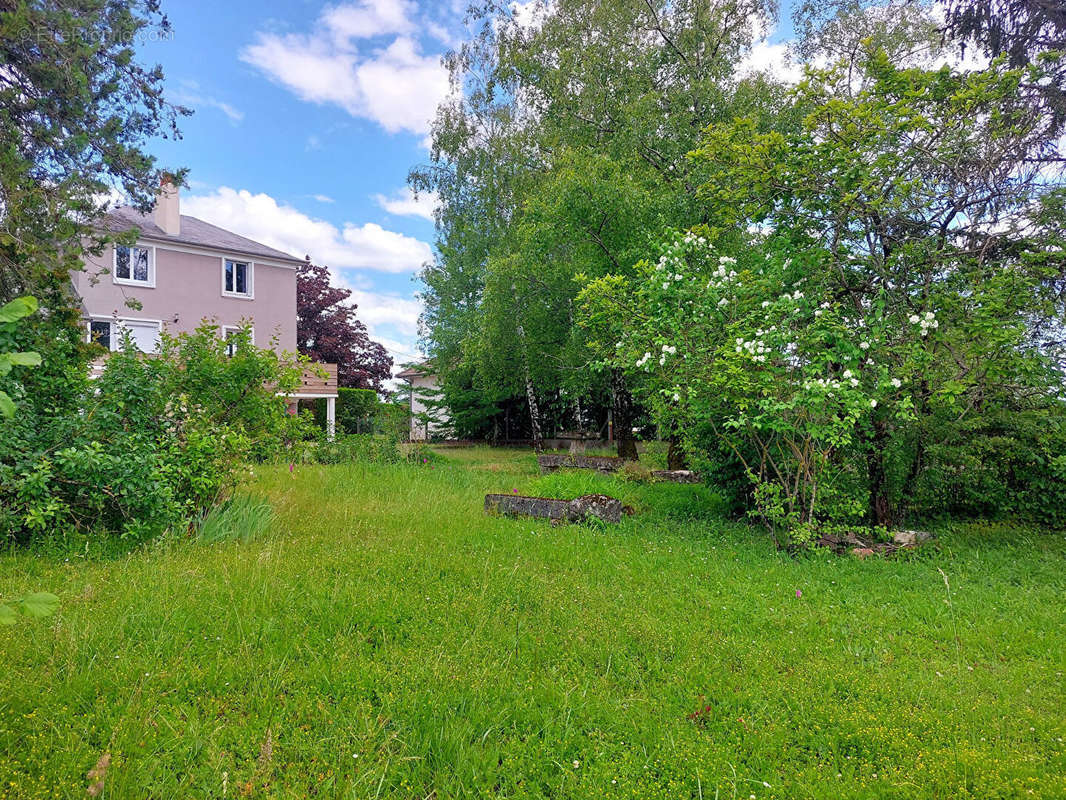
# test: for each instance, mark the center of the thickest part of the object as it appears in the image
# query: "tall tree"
(77, 111)
(565, 151)
(1025, 32)
(327, 330)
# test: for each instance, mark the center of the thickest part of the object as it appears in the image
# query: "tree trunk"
(880, 507)
(531, 396)
(534, 414)
(622, 403)
(675, 454)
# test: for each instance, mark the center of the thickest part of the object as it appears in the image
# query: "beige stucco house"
(182, 271)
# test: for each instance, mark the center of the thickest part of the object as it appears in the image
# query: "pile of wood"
(864, 546)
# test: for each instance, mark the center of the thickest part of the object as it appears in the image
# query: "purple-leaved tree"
(327, 330)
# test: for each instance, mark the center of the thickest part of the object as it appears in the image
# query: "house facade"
(182, 272)
(424, 383)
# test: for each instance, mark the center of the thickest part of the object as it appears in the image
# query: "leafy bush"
(11, 313)
(420, 453)
(155, 442)
(242, 518)
(356, 409)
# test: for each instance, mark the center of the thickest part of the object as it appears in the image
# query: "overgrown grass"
(384, 638)
(243, 518)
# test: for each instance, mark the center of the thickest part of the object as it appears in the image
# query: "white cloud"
(770, 58)
(188, 94)
(368, 18)
(322, 198)
(393, 84)
(261, 217)
(404, 203)
(378, 310)
(529, 14)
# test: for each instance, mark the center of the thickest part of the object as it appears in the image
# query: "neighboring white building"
(423, 380)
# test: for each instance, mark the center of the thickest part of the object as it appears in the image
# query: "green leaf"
(25, 359)
(18, 308)
(40, 604)
(7, 615)
(7, 405)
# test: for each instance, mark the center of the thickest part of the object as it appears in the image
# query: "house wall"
(421, 431)
(188, 289)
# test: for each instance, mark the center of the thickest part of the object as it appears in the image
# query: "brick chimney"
(167, 211)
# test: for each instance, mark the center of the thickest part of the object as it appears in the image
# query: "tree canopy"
(328, 331)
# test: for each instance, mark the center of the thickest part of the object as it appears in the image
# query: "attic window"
(134, 265)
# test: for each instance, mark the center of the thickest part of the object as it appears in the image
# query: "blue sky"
(308, 116)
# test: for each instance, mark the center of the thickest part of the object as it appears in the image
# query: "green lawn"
(386, 639)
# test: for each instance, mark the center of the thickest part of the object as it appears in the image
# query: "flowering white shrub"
(785, 373)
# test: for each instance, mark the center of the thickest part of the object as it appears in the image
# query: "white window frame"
(148, 284)
(226, 329)
(250, 295)
(112, 345)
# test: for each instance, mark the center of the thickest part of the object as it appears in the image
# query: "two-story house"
(183, 271)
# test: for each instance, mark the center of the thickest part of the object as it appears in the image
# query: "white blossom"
(897, 382)
(864, 345)
(873, 404)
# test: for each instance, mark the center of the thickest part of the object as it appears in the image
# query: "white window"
(144, 333)
(135, 266)
(229, 331)
(236, 278)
